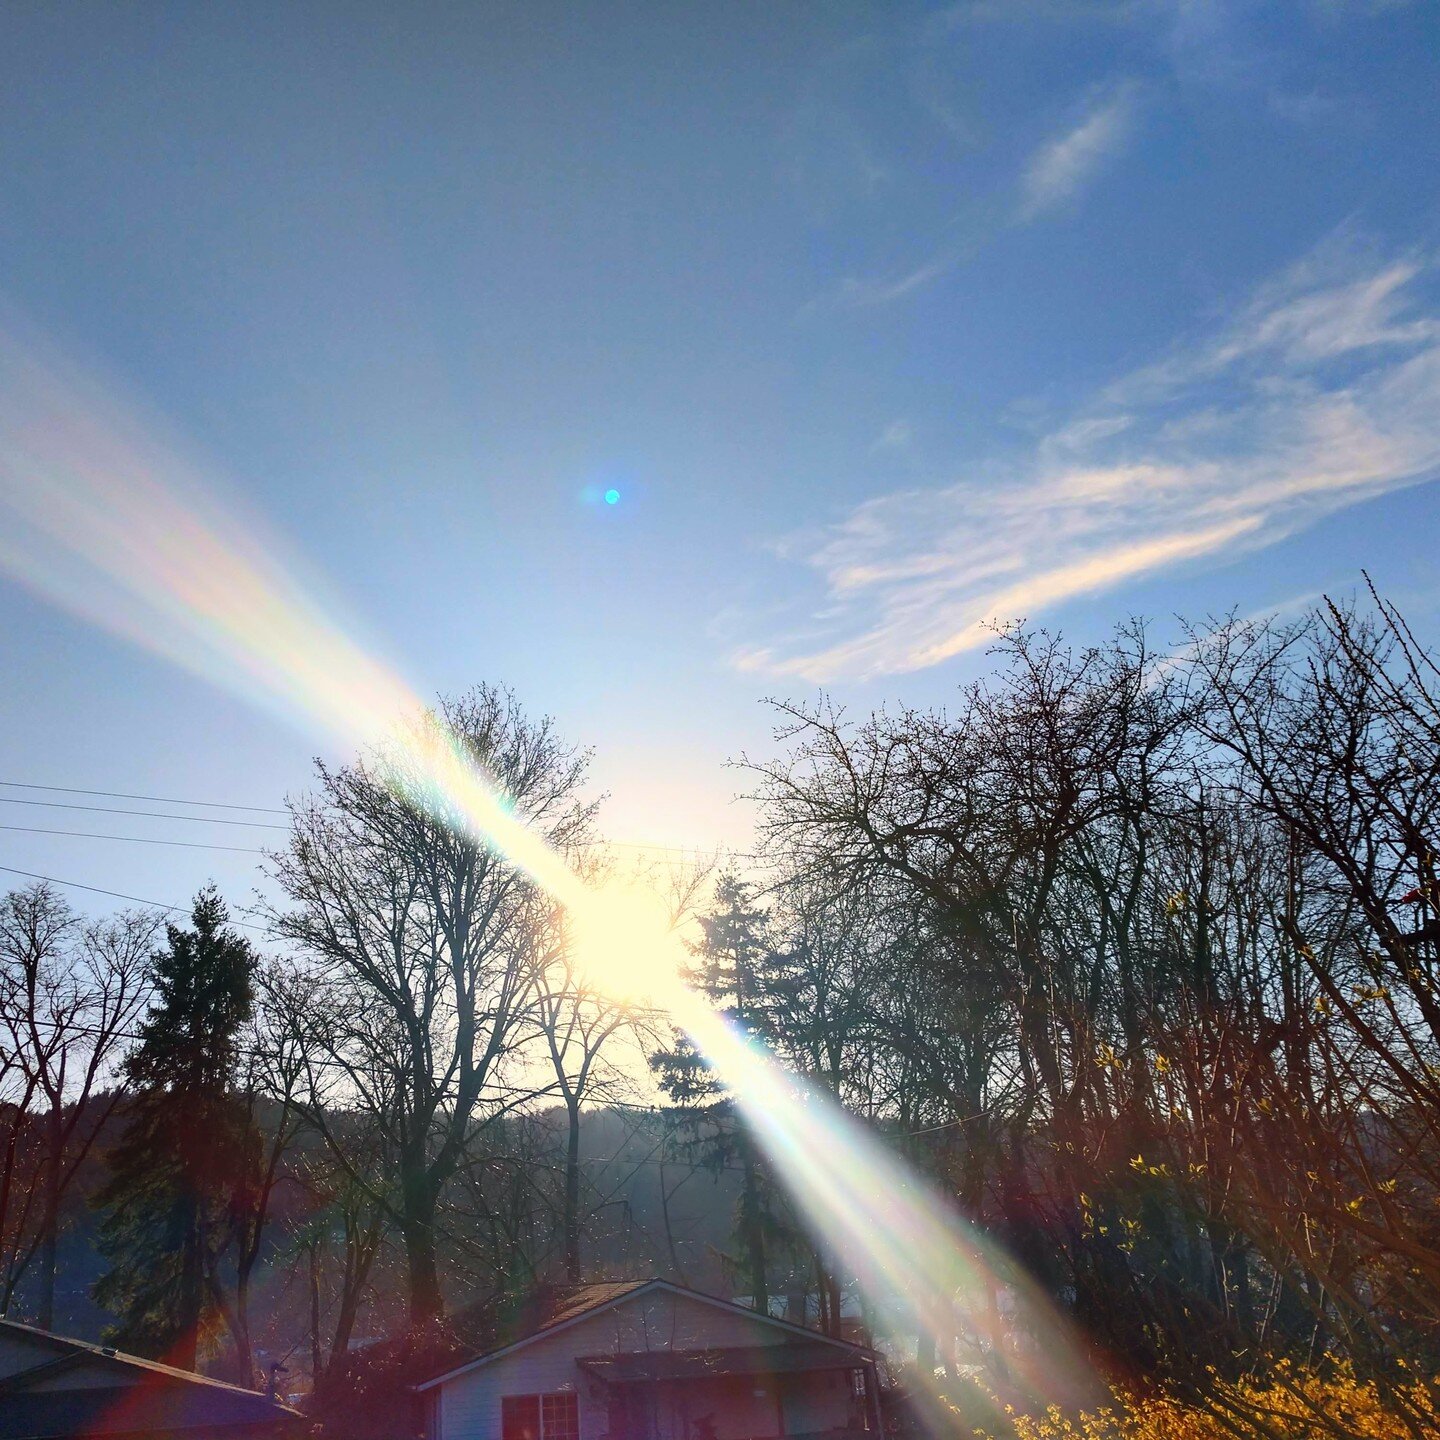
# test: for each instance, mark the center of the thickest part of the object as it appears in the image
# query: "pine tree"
(732, 962)
(180, 1170)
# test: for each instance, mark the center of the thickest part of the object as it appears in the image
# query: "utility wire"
(310, 1062)
(127, 795)
(280, 810)
(147, 814)
(134, 839)
(204, 844)
(119, 895)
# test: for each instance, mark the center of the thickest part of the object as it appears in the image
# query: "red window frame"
(551, 1416)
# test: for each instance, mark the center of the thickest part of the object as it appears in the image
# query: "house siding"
(469, 1407)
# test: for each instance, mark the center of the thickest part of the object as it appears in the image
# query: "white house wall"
(469, 1407)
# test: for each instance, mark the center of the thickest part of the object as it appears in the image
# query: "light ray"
(105, 520)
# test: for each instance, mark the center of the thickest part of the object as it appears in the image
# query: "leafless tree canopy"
(1148, 956)
(425, 950)
(70, 991)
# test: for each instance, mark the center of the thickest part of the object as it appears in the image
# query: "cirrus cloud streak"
(1061, 168)
(1323, 391)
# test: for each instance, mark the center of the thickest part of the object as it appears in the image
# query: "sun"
(626, 946)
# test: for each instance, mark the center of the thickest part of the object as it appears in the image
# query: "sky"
(881, 321)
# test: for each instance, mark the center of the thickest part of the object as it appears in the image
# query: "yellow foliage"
(1293, 1405)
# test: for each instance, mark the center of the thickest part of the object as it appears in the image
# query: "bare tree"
(1157, 968)
(69, 993)
(423, 947)
(576, 1023)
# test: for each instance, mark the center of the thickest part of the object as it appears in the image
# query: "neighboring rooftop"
(147, 1395)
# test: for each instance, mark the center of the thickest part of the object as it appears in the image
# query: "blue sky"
(882, 319)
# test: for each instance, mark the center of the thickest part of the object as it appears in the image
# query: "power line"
(192, 844)
(119, 895)
(275, 810)
(669, 849)
(147, 814)
(320, 1063)
(155, 799)
(662, 853)
(134, 839)
(94, 889)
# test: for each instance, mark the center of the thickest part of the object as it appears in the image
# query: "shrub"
(1291, 1404)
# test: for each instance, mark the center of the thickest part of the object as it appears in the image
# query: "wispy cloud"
(1028, 12)
(1321, 392)
(882, 289)
(895, 436)
(1064, 165)
(1325, 319)
(1057, 172)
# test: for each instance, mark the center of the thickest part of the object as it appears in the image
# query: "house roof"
(587, 1300)
(167, 1398)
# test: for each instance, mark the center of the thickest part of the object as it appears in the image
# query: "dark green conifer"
(732, 967)
(180, 1171)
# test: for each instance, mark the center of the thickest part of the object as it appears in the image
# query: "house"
(51, 1386)
(648, 1360)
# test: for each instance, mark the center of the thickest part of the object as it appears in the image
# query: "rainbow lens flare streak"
(103, 518)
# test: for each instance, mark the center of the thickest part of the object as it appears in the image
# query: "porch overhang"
(652, 1366)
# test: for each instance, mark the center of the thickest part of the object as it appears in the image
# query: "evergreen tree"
(732, 967)
(180, 1172)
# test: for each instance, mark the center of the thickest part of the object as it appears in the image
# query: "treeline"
(1138, 954)
(1135, 952)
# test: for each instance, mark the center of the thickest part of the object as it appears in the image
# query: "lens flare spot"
(612, 497)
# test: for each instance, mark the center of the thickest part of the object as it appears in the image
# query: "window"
(540, 1417)
(560, 1416)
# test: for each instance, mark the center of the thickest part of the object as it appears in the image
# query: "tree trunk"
(345, 1321)
(572, 1192)
(240, 1333)
(418, 1232)
(925, 1351)
(360, 1248)
(830, 1286)
(19, 1115)
(317, 1360)
(50, 1216)
(752, 1231)
(191, 1302)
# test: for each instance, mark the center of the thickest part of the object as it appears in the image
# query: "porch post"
(872, 1394)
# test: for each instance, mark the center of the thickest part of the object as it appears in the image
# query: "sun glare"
(625, 945)
(105, 521)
